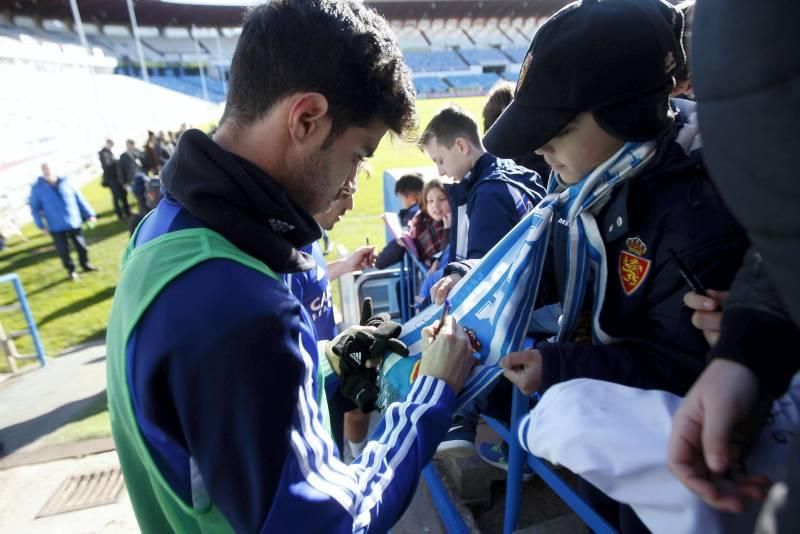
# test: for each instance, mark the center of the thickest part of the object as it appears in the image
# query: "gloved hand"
(355, 354)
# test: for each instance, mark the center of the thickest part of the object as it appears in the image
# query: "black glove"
(350, 351)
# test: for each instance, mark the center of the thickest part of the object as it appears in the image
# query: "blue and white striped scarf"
(497, 297)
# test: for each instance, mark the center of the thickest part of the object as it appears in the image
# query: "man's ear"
(308, 119)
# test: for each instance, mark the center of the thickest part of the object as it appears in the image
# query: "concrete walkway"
(38, 402)
(34, 404)
(24, 490)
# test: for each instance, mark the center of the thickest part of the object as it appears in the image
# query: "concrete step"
(481, 489)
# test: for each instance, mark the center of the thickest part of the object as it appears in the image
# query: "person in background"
(500, 96)
(130, 163)
(151, 162)
(490, 194)
(313, 289)
(59, 210)
(408, 190)
(119, 195)
(430, 227)
(164, 148)
(489, 197)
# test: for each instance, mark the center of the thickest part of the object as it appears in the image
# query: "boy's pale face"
(453, 162)
(580, 147)
(407, 200)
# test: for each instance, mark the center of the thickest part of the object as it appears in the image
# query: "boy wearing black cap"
(630, 190)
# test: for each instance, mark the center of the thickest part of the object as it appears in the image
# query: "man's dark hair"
(338, 48)
(409, 184)
(500, 96)
(448, 125)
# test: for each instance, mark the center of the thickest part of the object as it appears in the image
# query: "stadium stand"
(490, 33)
(410, 37)
(434, 61)
(430, 86)
(444, 41)
(479, 83)
(484, 56)
(442, 34)
(516, 54)
(58, 112)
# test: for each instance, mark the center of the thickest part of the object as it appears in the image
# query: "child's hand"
(523, 369)
(447, 220)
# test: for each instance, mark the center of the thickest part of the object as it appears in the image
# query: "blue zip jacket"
(58, 208)
(313, 289)
(488, 202)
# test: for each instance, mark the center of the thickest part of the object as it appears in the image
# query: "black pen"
(687, 274)
(445, 311)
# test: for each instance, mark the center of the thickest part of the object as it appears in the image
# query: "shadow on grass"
(98, 337)
(27, 249)
(17, 436)
(38, 254)
(51, 285)
(78, 305)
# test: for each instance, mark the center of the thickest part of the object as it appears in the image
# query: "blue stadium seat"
(434, 61)
(427, 86)
(473, 82)
(480, 56)
(517, 457)
(516, 54)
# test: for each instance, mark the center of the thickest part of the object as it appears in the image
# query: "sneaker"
(74, 276)
(459, 441)
(495, 454)
(90, 268)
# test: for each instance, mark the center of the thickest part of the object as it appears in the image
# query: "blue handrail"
(13, 278)
(448, 513)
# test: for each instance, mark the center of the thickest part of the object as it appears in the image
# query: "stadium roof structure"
(202, 13)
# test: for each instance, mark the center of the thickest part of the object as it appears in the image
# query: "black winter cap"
(615, 58)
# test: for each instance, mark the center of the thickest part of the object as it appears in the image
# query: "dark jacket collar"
(241, 202)
(478, 170)
(671, 156)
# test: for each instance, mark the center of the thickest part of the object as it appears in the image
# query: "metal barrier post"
(516, 461)
(448, 513)
(26, 311)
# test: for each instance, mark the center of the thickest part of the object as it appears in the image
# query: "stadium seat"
(483, 56)
(430, 86)
(517, 54)
(473, 82)
(516, 459)
(434, 61)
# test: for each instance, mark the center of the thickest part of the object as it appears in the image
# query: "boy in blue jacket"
(490, 194)
(489, 197)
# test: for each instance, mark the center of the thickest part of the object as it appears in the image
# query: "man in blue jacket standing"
(60, 210)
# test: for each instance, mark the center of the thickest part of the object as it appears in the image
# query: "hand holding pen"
(448, 352)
